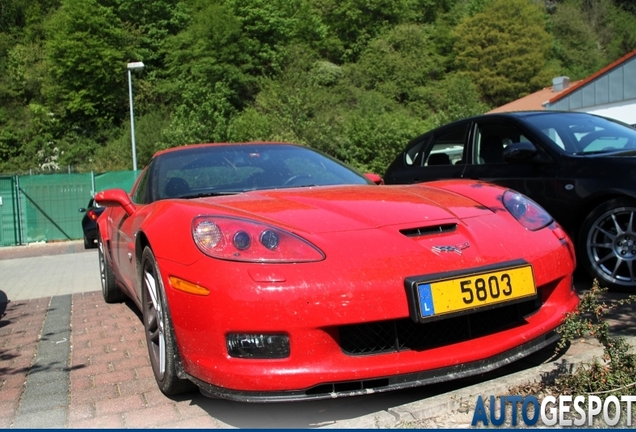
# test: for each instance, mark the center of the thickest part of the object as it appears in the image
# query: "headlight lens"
(239, 239)
(530, 214)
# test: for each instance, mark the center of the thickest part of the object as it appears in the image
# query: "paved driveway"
(68, 359)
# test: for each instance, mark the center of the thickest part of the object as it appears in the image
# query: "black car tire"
(162, 347)
(89, 244)
(111, 292)
(607, 244)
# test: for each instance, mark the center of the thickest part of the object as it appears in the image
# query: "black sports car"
(578, 166)
(89, 223)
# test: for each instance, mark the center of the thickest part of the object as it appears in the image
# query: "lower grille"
(405, 334)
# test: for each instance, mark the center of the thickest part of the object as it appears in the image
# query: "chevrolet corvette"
(272, 272)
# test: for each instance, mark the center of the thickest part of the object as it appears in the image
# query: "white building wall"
(624, 111)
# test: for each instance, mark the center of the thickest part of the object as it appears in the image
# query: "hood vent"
(433, 229)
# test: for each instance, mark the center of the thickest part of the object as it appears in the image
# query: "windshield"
(578, 133)
(198, 171)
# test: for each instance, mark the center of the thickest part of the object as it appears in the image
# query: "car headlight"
(239, 239)
(530, 214)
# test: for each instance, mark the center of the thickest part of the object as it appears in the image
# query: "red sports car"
(270, 271)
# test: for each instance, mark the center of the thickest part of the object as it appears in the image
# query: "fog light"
(258, 346)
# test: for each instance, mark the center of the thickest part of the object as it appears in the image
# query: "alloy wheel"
(611, 246)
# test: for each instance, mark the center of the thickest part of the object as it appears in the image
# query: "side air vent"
(433, 229)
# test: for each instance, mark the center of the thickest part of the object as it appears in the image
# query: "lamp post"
(131, 66)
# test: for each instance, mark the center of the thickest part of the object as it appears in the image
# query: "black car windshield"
(199, 171)
(579, 133)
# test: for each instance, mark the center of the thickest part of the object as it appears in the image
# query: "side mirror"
(115, 198)
(81, 210)
(519, 152)
(374, 178)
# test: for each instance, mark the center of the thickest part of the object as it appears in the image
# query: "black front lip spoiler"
(396, 382)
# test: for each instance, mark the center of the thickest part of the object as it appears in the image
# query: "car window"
(446, 147)
(490, 140)
(578, 133)
(140, 193)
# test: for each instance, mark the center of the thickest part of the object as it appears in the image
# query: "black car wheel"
(110, 290)
(159, 336)
(607, 244)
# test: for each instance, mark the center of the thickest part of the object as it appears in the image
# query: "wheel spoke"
(630, 224)
(619, 230)
(152, 289)
(619, 261)
(155, 328)
(606, 258)
(162, 352)
(155, 336)
(607, 233)
(602, 245)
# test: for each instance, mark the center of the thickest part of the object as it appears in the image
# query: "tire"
(607, 244)
(88, 244)
(160, 339)
(110, 290)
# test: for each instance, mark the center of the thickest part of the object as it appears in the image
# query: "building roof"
(538, 100)
(593, 77)
(534, 101)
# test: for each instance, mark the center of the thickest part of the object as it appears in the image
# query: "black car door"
(537, 176)
(440, 154)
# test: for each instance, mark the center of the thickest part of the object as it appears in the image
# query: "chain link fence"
(45, 208)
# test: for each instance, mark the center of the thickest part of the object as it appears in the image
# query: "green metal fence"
(45, 207)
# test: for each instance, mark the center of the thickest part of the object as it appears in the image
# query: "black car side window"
(491, 139)
(447, 147)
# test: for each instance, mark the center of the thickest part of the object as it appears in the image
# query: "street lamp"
(131, 66)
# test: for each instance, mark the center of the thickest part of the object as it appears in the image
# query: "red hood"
(347, 208)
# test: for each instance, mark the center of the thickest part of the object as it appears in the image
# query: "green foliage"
(400, 62)
(576, 44)
(203, 116)
(504, 49)
(350, 77)
(86, 61)
(616, 373)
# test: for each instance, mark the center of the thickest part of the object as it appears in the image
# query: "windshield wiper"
(615, 152)
(209, 194)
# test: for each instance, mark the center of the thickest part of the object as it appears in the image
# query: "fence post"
(92, 183)
(19, 208)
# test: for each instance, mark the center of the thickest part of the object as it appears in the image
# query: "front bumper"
(380, 385)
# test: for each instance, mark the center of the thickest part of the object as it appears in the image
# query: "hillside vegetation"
(354, 78)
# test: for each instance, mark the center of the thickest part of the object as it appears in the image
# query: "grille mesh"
(405, 334)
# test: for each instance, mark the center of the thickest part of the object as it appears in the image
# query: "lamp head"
(135, 65)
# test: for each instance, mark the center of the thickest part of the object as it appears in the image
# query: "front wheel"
(607, 244)
(162, 348)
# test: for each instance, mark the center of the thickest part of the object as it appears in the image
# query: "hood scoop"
(428, 230)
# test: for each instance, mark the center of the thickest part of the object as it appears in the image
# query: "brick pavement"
(111, 380)
(20, 329)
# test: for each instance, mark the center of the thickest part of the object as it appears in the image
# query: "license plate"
(472, 291)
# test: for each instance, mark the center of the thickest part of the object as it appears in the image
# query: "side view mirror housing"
(115, 198)
(519, 152)
(374, 178)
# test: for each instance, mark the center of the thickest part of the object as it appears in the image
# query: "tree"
(576, 44)
(399, 62)
(87, 51)
(505, 49)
